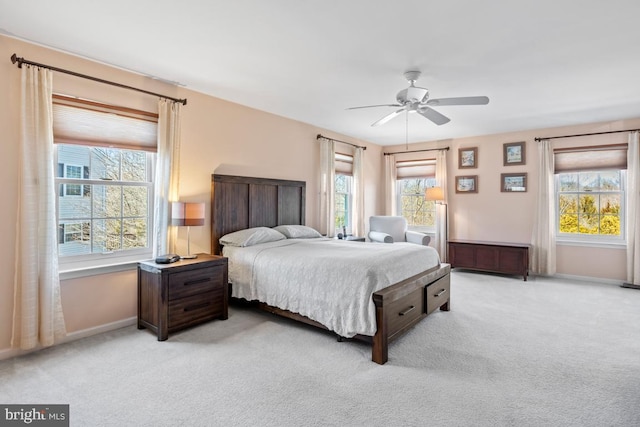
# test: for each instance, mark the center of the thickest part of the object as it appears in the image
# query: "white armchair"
(389, 229)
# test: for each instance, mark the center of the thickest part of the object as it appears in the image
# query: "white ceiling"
(542, 63)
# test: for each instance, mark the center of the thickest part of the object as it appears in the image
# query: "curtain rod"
(418, 151)
(20, 61)
(337, 140)
(585, 134)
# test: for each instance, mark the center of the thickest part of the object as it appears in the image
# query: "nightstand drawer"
(437, 294)
(195, 309)
(193, 282)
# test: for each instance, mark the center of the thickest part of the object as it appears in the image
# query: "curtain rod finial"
(14, 59)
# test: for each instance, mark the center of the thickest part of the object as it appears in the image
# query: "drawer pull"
(196, 307)
(195, 282)
(402, 313)
(440, 293)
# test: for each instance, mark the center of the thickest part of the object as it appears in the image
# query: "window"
(343, 202)
(591, 203)
(413, 179)
(419, 212)
(114, 214)
(590, 193)
(343, 205)
(105, 160)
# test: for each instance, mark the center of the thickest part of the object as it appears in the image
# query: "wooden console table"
(505, 258)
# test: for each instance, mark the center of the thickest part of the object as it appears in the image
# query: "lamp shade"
(187, 214)
(434, 193)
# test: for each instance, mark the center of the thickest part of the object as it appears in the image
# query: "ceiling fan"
(416, 99)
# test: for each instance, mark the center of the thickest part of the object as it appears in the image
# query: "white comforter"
(330, 281)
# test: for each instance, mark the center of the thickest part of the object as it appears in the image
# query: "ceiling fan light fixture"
(412, 94)
(416, 99)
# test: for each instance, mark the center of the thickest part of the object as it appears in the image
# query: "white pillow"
(251, 236)
(297, 231)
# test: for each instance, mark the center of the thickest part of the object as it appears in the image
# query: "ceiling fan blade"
(433, 115)
(388, 117)
(464, 100)
(371, 106)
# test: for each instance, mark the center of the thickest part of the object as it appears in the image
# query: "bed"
(361, 296)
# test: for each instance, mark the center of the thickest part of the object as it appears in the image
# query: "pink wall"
(222, 137)
(492, 215)
(217, 137)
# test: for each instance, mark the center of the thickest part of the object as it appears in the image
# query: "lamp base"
(188, 256)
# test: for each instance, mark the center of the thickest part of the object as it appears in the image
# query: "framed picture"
(513, 182)
(467, 184)
(514, 153)
(468, 158)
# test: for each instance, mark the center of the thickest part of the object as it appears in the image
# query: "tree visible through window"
(342, 210)
(590, 203)
(419, 212)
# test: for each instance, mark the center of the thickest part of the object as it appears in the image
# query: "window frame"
(585, 239)
(92, 261)
(430, 181)
(348, 201)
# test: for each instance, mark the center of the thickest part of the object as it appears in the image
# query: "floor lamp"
(436, 194)
(186, 215)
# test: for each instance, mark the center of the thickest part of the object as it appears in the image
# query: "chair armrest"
(417, 238)
(378, 236)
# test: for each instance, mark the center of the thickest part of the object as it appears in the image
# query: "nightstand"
(182, 294)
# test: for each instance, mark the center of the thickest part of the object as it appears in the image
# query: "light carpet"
(546, 352)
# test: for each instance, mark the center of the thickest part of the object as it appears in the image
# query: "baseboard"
(73, 336)
(630, 286)
(84, 333)
(587, 279)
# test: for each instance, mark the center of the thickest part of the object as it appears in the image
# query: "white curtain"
(167, 176)
(327, 187)
(633, 210)
(390, 177)
(37, 308)
(442, 220)
(543, 259)
(357, 220)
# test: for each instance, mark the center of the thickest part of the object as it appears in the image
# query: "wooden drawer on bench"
(437, 294)
(405, 312)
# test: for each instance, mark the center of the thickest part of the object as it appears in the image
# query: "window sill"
(96, 267)
(96, 271)
(592, 244)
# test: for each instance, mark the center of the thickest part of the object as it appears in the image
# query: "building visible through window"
(113, 213)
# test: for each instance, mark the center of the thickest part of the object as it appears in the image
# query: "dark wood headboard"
(239, 202)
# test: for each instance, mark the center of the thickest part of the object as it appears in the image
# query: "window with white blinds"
(413, 177)
(343, 200)
(105, 159)
(590, 193)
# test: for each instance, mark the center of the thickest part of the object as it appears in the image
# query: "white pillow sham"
(297, 231)
(251, 236)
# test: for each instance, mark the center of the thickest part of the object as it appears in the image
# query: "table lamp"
(186, 215)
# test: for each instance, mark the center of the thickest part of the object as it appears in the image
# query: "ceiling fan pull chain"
(406, 132)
